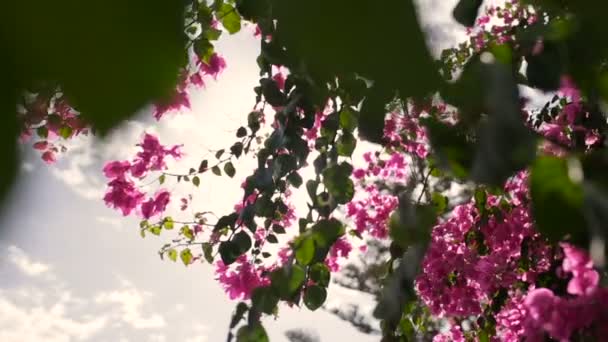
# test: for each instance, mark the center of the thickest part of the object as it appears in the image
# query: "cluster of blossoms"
(51, 119)
(579, 310)
(497, 22)
(124, 194)
(470, 261)
(190, 77)
(568, 126)
(241, 278)
(478, 251)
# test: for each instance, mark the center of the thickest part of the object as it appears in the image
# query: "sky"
(73, 270)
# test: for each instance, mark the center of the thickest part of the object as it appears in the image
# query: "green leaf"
(172, 254)
(216, 170)
(346, 144)
(196, 181)
(229, 169)
(219, 154)
(168, 223)
(208, 252)
(187, 233)
(440, 202)
(229, 252)
(305, 249)
(65, 132)
(161, 179)
(237, 149)
(411, 224)
(348, 119)
(311, 188)
(465, 12)
(241, 308)
(155, 230)
(252, 333)
(557, 202)
(480, 200)
(314, 297)
(212, 34)
(337, 181)
(326, 232)
(104, 55)
(295, 179)
(243, 241)
(241, 132)
(186, 256)
(297, 276)
(264, 299)
(272, 238)
(203, 166)
(320, 274)
(230, 18)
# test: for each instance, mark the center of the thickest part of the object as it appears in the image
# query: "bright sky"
(73, 270)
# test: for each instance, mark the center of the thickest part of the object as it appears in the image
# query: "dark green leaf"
(465, 12)
(264, 300)
(295, 179)
(346, 144)
(252, 333)
(208, 252)
(314, 297)
(203, 166)
(229, 252)
(241, 132)
(216, 170)
(243, 241)
(241, 308)
(229, 169)
(338, 182)
(556, 200)
(349, 119)
(320, 274)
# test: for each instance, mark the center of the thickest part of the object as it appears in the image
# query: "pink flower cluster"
(471, 257)
(122, 192)
(405, 131)
(568, 121)
(495, 23)
(53, 119)
(180, 100)
(241, 278)
(340, 249)
(582, 310)
(371, 214)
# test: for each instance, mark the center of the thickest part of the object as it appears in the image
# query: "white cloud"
(200, 333)
(130, 301)
(23, 262)
(20, 322)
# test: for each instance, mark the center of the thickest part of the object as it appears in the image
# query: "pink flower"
(592, 137)
(156, 205)
(41, 145)
(123, 195)
(197, 80)
(116, 169)
(240, 279)
(215, 65)
(49, 157)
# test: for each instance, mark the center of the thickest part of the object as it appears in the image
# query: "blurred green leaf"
(556, 200)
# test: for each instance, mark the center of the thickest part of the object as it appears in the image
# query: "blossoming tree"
(491, 209)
